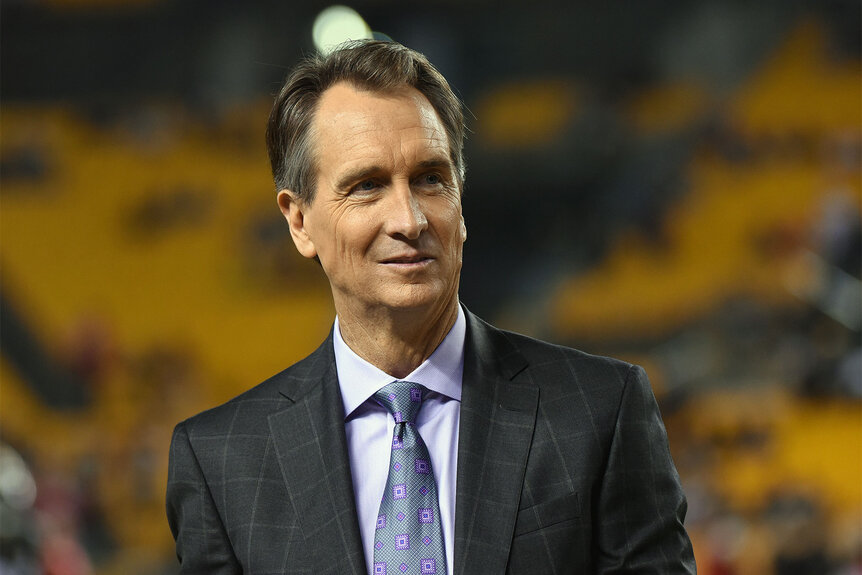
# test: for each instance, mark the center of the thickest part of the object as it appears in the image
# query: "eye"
(432, 179)
(365, 186)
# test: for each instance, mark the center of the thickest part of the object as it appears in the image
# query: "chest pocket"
(547, 513)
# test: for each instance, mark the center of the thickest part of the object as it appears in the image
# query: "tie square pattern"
(411, 493)
(402, 541)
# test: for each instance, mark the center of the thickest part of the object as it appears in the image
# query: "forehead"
(352, 124)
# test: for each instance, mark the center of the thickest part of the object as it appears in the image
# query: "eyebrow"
(436, 163)
(365, 172)
(356, 175)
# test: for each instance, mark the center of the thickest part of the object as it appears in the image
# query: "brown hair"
(366, 64)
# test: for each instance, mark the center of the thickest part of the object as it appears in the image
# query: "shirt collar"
(442, 372)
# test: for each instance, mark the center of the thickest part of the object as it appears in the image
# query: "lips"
(407, 259)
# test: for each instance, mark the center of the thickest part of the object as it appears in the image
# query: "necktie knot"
(403, 400)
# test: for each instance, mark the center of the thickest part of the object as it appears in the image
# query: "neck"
(396, 341)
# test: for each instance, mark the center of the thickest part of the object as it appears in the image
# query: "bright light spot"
(338, 24)
(17, 487)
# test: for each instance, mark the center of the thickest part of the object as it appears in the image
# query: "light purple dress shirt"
(369, 428)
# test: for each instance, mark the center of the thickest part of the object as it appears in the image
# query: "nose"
(405, 216)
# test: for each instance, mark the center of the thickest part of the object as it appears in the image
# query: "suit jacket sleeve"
(641, 505)
(201, 539)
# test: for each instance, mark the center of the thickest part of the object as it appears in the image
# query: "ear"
(294, 212)
(463, 230)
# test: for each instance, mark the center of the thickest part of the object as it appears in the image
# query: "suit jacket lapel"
(496, 429)
(312, 453)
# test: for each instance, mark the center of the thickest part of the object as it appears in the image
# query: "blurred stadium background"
(676, 183)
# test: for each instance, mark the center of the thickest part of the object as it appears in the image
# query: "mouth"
(408, 260)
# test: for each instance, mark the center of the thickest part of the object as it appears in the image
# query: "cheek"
(353, 234)
(449, 233)
(452, 221)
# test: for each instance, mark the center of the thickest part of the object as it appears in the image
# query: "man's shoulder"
(251, 408)
(573, 385)
(551, 365)
(544, 356)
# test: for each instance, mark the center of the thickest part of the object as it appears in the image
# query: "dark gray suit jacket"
(563, 467)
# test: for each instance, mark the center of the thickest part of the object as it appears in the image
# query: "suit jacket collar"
(311, 445)
(497, 421)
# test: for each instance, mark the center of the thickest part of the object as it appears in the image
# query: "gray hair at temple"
(365, 64)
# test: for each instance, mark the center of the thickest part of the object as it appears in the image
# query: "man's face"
(386, 219)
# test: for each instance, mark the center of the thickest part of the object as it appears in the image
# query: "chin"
(414, 297)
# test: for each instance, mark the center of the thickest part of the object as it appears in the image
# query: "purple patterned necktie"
(409, 536)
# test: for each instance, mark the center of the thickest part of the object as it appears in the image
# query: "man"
(416, 438)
